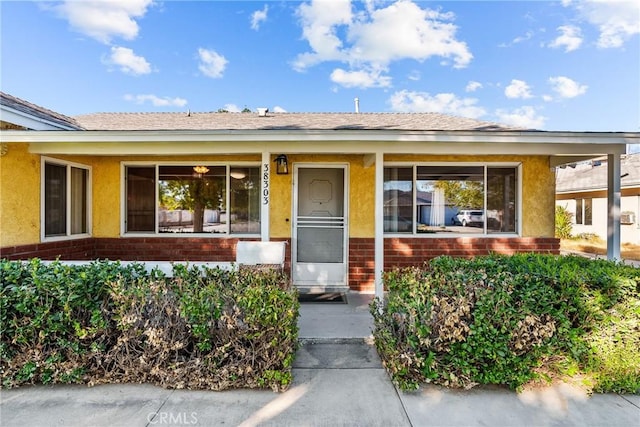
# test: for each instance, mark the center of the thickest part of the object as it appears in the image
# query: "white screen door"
(320, 228)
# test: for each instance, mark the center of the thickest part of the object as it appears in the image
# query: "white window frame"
(452, 235)
(583, 211)
(68, 165)
(156, 165)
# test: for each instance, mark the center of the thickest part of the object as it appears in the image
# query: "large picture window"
(65, 199)
(450, 199)
(192, 199)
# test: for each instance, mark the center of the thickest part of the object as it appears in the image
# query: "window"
(65, 199)
(450, 199)
(583, 214)
(192, 199)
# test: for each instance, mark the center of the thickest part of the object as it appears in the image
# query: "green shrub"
(564, 222)
(497, 319)
(104, 322)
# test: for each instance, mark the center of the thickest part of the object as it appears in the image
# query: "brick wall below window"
(414, 251)
(398, 251)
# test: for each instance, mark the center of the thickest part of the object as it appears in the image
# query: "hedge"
(510, 320)
(106, 322)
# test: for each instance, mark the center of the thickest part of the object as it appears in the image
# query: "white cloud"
(547, 98)
(567, 88)
(212, 64)
(258, 17)
(128, 61)
(472, 86)
(104, 20)
(278, 109)
(373, 38)
(617, 21)
(156, 101)
(361, 79)
(448, 103)
(232, 108)
(518, 89)
(570, 38)
(524, 117)
(528, 35)
(414, 75)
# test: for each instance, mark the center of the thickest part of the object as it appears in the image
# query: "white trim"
(265, 199)
(613, 207)
(379, 227)
(88, 196)
(31, 121)
(366, 136)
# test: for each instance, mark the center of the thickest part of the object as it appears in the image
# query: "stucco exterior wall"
(20, 210)
(361, 195)
(19, 196)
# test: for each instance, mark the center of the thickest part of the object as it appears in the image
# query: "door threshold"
(321, 289)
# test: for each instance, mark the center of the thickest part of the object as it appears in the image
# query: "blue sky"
(562, 65)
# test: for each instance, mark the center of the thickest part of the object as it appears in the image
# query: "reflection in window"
(193, 199)
(584, 214)
(398, 200)
(245, 200)
(501, 200)
(449, 196)
(66, 193)
(450, 199)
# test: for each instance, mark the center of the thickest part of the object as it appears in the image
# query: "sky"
(549, 65)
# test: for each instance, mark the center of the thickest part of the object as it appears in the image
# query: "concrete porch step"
(337, 354)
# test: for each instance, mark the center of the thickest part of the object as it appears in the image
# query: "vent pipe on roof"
(357, 102)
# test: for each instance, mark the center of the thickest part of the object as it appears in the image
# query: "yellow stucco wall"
(19, 197)
(361, 195)
(20, 210)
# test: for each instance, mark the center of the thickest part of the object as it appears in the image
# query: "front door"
(320, 228)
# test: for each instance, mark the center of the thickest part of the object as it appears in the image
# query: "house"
(582, 189)
(352, 194)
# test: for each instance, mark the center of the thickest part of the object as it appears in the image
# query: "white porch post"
(265, 196)
(379, 225)
(613, 207)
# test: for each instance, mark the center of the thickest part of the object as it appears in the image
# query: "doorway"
(320, 228)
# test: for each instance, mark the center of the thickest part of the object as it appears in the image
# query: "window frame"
(68, 165)
(156, 165)
(483, 233)
(585, 220)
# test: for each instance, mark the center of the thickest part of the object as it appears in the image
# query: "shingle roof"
(37, 111)
(593, 175)
(284, 121)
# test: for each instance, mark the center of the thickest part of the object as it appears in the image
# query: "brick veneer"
(134, 249)
(414, 251)
(398, 251)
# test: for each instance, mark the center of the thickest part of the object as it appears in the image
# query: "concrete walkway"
(338, 381)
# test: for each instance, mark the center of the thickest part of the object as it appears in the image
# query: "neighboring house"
(352, 194)
(582, 189)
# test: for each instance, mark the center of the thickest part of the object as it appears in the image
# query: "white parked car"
(466, 217)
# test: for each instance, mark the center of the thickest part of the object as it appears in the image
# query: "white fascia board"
(29, 121)
(504, 137)
(391, 142)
